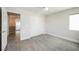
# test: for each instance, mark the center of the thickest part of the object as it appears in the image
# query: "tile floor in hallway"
(42, 43)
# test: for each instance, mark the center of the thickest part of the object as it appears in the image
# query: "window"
(74, 22)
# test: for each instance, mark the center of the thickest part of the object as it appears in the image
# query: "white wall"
(58, 24)
(28, 20)
(4, 28)
(37, 25)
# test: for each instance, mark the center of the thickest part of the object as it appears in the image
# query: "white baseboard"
(25, 38)
(31, 36)
(66, 38)
(73, 40)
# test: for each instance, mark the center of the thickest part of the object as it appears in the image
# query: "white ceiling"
(50, 9)
(41, 10)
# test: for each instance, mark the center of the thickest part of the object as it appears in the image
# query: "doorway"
(14, 30)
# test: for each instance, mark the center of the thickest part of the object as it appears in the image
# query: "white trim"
(25, 38)
(3, 48)
(31, 36)
(73, 40)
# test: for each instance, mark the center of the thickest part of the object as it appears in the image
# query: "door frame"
(13, 13)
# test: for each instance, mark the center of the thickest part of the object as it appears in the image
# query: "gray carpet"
(42, 43)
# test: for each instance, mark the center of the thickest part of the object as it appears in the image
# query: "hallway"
(13, 42)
